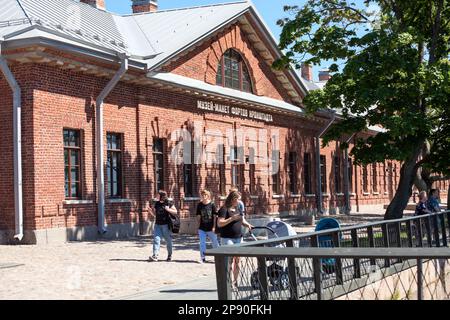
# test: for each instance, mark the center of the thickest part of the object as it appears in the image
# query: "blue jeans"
(231, 241)
(162, 231)
(202, 236)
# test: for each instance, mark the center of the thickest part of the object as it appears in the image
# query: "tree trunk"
(404, 189)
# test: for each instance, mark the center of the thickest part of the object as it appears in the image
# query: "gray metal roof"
(12, 18)
(143, 36)
(173, 30)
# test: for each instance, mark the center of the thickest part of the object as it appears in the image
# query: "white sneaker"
(153, 258)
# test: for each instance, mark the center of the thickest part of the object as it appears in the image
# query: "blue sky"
(271, 11)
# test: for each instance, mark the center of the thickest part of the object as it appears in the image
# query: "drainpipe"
(99, 141)
(17, 134)
(319, 197)
(348, 206)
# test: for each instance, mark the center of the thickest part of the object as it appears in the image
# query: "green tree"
(395, 75)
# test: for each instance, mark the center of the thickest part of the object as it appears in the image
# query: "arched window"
(233, 72)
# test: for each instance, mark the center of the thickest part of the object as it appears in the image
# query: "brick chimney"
(99, 4)
(324, 75)
(140, 6)
(307, 72)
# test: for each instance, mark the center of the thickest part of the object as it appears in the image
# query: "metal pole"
(223, 277)
(17, 138)
(347, 182)
(319, 196)
(99, 142)
(419, 279)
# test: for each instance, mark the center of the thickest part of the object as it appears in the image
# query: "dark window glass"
(189, 172)
(237, 167)
(350, 175)
(72, 164)
(323, 173)
(232, 72)
(252, 172)
(365, 179)
(276, 172)
(337, 174)
(221, 162)
(158, 158)
(374, 177)
(114, 165)
(307, 173)
(292, 172)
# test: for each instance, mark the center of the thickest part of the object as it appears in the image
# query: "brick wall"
(202, 63)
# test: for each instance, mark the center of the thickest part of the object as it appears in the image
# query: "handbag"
(174, 223)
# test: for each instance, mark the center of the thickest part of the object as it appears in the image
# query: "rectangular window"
(114, 165)
(292, 172)
(237, 167)
(323, 173)
(365, 179)
(220, 159)
(189, 172)
(374, 177)
(307, 173)
(72, 163)
(337, 175)
(276, 172)
(158, 160)
(252, 173)
(350, 175)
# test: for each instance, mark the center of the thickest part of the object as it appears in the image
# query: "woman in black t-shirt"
(230, 222)
(206, 219)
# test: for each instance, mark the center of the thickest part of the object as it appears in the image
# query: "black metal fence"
(297, 267)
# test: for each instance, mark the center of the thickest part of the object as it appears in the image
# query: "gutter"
(17, 137)
(319, 197)
(100, 141)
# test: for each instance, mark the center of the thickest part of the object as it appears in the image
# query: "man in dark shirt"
(206, 219)
(421, 208)
(161, 211)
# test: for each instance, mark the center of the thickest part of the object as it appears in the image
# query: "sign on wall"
(235, 111)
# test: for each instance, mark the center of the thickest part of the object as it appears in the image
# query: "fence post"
(292, 269)
(385, 229)
(419, 279)
(317, 269)
(223, 276)
(338, 261)
(420, 232)
(371, 243)
(448, 221)
(444, 231)
(428, 229)
(262, 274)
(436, 230)
(409, 231)
(356, 262)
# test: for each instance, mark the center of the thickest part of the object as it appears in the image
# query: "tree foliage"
(391, 69)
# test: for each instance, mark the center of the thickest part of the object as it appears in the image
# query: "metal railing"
(332, 263)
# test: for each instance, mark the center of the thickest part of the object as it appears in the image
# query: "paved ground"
(102, 270)
(114, 270)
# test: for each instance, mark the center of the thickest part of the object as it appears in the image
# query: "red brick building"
(201, 73)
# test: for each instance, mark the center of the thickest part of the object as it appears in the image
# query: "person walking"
(230, 221)
(421, 208)
(241, 205)
(206, 219)
(161, 211)
(433, 201)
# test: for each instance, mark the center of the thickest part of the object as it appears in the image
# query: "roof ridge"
(186, 8)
